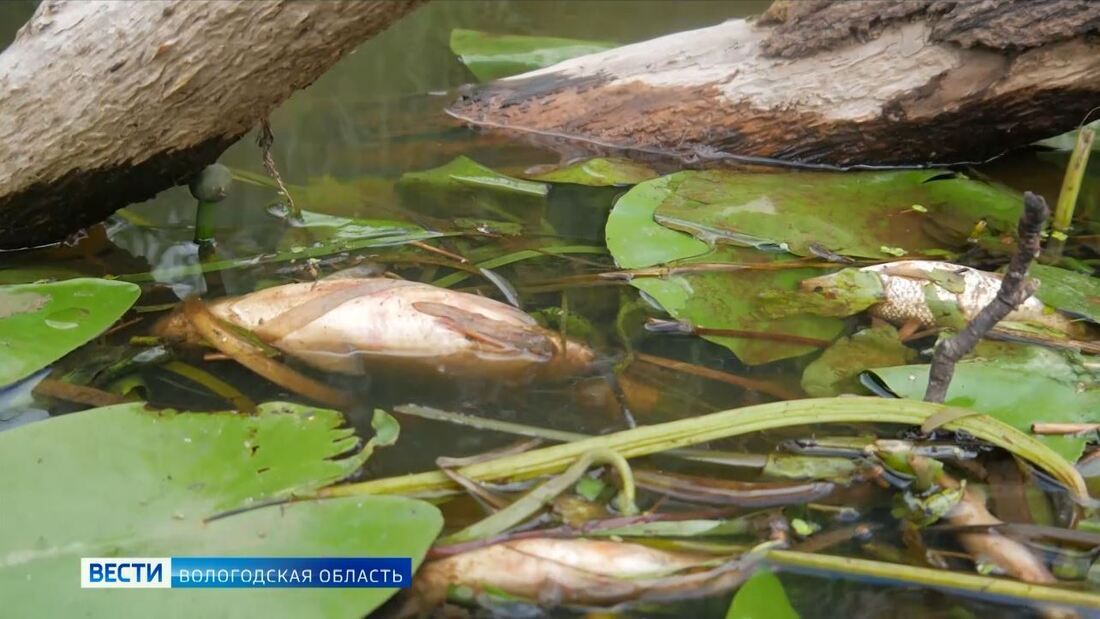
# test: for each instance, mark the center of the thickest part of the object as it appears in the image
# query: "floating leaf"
(841, 294)
(491, 56)
(147, 484)
(865, 214)
(332, 230)
(464, 187)
(599, 172)
(1014, 397)
(1068, 291)
(716, 299)
(1066, 141)
(761, 597)
(837, 370)
(40, 323)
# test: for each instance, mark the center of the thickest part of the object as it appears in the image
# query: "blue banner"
(292, 572)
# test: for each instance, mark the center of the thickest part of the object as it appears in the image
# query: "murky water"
(378, 114)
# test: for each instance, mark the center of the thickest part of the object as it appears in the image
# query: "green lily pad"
(492, 56)
(837, 370)
(599, 172)
(1068, 291)
(761, 597)
(123, 481)
(40, 323)
(1013, 396)
(711, 299)
(865, 214)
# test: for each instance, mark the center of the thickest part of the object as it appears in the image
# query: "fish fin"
(493, 333)
(910, 327)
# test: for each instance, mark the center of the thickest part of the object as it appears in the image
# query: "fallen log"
(106, 103)
(820, 83)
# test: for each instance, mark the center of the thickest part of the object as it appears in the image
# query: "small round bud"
(212, 184)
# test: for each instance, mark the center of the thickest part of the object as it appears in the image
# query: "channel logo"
(125, 573)
(244, 572)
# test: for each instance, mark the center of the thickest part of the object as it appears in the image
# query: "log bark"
(104, 103)
(820, 83)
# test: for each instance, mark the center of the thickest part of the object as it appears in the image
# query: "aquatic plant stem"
(933, 578)
(647, 440)
(726, 458)
(1067, 197)
(204, 222)
(1015, 289)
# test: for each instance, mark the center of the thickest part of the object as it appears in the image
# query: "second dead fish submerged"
(352, 326)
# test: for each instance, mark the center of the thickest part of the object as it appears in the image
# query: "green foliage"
(761, 597)
(466, 188)
(40, 323)
(1068, 291)
(599, 172)
(837, 370)
(492, 56)
(725, 299)
(335, 231)
(867, 214)
(124, 481)
(1006, 392)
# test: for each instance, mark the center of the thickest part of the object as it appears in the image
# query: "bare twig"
(264, 141)
(1015, 289)
(1064, 429)
(752, 384)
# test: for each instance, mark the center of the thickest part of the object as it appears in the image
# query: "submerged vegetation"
(560, 386)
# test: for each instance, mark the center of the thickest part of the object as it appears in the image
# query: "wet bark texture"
(107, 103)
(821, 83)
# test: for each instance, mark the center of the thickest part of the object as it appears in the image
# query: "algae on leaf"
(124, 481)
(491, 56)
(40, 323)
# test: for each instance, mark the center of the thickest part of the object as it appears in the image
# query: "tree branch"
(1015, 289)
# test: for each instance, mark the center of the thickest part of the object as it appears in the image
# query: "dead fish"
(557, 571)
(352, 326)
(911, 289)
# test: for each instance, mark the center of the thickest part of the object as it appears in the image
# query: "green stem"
(662, 437)
(1071, 187)
(712, 456)
(204, 222)
(927, 577)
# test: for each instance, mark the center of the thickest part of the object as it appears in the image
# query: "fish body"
(353, 326)
(561, 571)
(922, 291)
